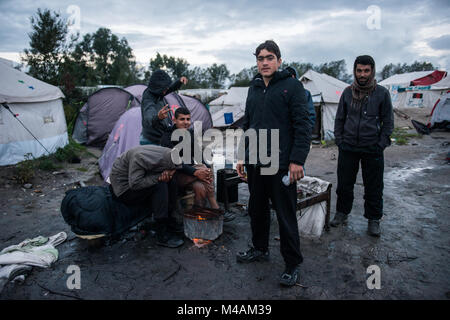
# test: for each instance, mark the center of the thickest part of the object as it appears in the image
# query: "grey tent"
(136, 90)
(98, 116)
(127, 129)
(198, 110)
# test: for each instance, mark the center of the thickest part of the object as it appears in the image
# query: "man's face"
(267, 63)
(183, 121)
(363, 73)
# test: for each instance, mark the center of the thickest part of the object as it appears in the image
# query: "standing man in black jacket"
(362, 129)
(276, 101)
(155, 114)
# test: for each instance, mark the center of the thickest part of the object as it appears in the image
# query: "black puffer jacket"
(152, 102)
(370, 125)
(281, 105)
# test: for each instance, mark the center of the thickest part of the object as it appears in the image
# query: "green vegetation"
(24, 171)
(401, 136)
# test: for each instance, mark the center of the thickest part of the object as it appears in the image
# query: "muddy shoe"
(252, 255)
(289, 276)
(373, 228)
(167, 239)
(339, 218)
(228, 216)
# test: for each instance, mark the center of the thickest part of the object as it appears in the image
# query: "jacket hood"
(159, 81)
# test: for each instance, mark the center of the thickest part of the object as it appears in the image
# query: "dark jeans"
(372, 166)
(161, 198)
(284, 200)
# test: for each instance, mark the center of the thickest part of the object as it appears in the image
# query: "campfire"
(202, 225)
(201, 242)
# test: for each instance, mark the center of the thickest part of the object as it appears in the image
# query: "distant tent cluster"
(32, 117)
(417, 89)
(228, 110)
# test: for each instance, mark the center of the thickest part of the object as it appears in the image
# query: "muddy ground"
(413, 252)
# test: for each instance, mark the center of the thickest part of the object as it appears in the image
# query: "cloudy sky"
(206, 32)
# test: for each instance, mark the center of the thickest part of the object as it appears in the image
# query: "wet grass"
(401, 136)
(73, 152)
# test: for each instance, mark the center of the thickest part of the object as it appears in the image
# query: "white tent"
(326, 92)
(443, 85)
(403, 79)
(229, 108)
(441, 112)
(38, 106)
(403, 95)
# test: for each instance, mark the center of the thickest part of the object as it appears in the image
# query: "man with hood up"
(362, 129)
(155, 114)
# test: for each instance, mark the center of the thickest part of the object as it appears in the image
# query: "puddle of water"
(401, 175)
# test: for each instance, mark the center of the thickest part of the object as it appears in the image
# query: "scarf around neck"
(359, 92)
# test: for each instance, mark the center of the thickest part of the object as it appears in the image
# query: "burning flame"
(200, 218)
(201, 242)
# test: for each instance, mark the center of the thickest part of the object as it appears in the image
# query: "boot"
(339, 218)
(166, 238)
(373, 228)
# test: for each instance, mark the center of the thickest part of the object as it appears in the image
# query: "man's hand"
(184, 80)
(296, 172)
(162, 114)
(166, 175)
(240, 171)
(203, 174)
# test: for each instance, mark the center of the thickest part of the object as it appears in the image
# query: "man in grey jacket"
(363, 125)
(144, 175)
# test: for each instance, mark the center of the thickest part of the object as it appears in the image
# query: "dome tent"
(32, 119)
(97, 117)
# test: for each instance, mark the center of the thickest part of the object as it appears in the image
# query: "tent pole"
(15, 116)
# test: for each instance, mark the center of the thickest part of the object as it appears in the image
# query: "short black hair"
(270, 46)
(181, 110)
(364, 60)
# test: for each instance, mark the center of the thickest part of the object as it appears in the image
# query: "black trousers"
(372, 166)
(161, 198)
(284, 200)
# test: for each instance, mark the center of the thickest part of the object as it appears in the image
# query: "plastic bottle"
(286, 179)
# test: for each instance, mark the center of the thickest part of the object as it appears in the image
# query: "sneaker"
(167, 239)
(289, 276)
(339, 218)
(373, 228)
(228, 216)
(252, 255)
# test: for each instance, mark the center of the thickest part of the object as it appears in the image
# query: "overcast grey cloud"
(206, 32)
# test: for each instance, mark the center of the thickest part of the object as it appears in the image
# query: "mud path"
(412, 253)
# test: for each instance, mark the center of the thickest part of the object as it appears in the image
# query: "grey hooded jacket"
(139, 168)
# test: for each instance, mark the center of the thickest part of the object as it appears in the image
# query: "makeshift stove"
(202, 225)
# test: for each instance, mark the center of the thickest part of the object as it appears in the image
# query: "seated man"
(197, 175)
(144, 175)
